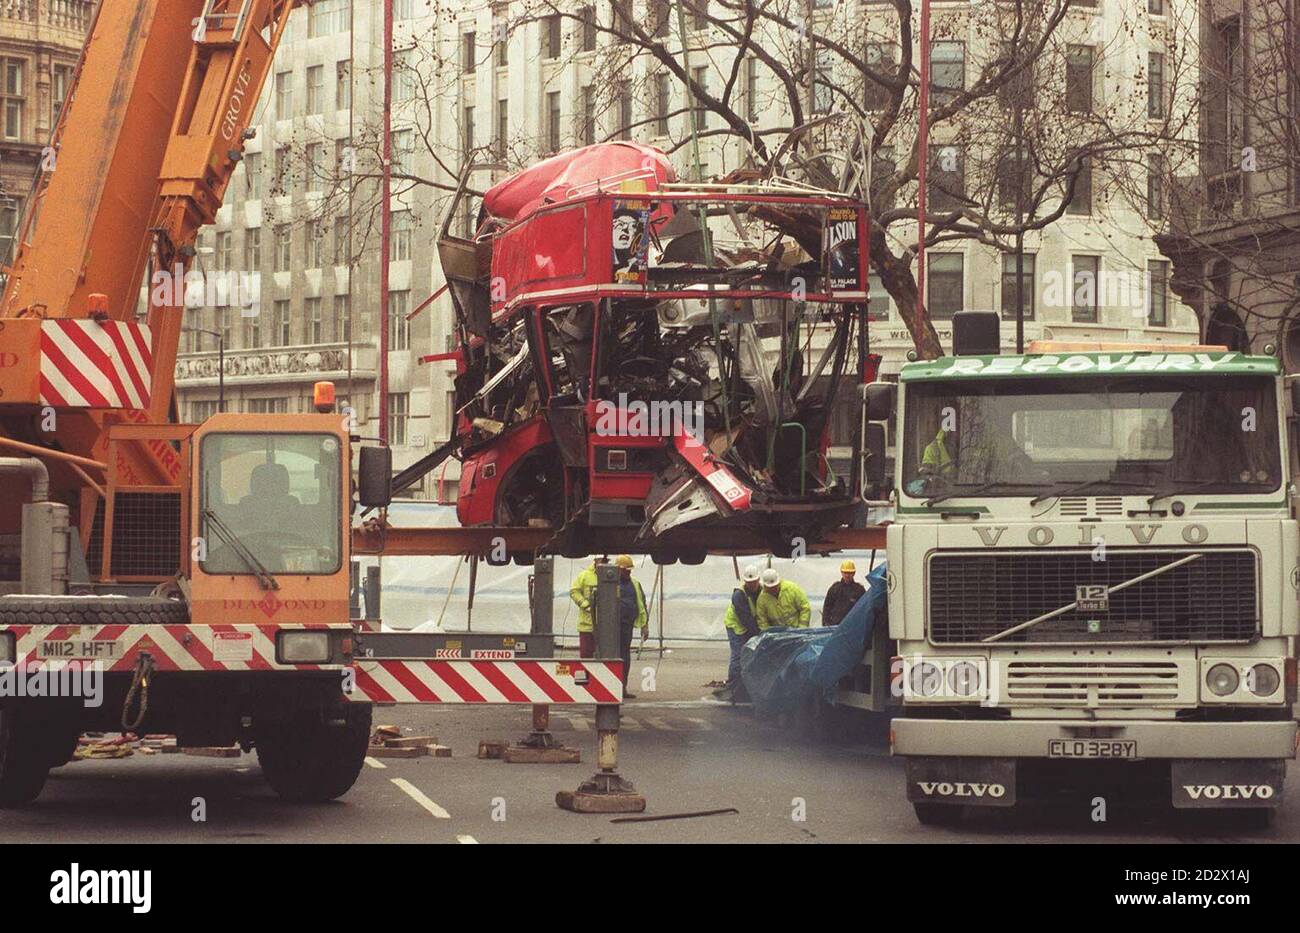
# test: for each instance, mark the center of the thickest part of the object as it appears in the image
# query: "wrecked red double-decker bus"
(656, 363)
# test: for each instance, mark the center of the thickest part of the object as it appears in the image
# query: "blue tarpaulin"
(785, 667)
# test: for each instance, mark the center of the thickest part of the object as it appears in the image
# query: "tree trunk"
(896, 275)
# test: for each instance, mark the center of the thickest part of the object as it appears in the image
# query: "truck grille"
(974, 596)
(1093, 683)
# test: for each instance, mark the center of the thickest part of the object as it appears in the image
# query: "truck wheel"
(937, 814)
(92, 610)
(24, 758)
(308, 760)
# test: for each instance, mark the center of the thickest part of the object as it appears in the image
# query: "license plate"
(79, 649)
(1092, 748)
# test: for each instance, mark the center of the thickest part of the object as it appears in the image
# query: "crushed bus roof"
(1114, 362)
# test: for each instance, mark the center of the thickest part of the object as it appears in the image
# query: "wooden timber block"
(491, 749)
(384, 751)
(438, 751)
(582, 802)
(524, 755)
(413, 741)
(210, 751)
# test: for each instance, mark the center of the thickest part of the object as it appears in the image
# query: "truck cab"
(1093, 577)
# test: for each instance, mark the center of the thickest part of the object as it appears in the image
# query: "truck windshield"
(279, 494)
(1148, 436)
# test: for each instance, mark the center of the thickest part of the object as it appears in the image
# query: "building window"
(467, 131)
(316, 173)
(823, 90)
(751, 89)
(551, 36)
(343, 85)
(398, 416)
(946, 188)
(268, 406)
(399, 328)
(468, 52)
(341, 251)
(1156, 6)
(252, 332)
(877, 299)
(15, 96)
(316, 89)
(399, 245)
(282, 322)
(224, 255)
(588, 28)
(700, 75)
(284, 95)
(663, 102)
(947, 70)
(343, 318)
(315, 245)
(700, 17)
(253, 176)
(1010, 294)
(405, 76)
(314, 331)
(403, 152)
(503, 128)
(1008, 189)
(946, 289)
(11, 212)
(621, 18)
(881, 59)
(403, 9)
(1158, 273)
(1155, 85)
(283, 249)
(587, 115)
(553, 137)
(1086, 280)
(1079, 70)
(1081, 203)
(624, 99)
(281, 170)
(60, 82)
(1155, 186)
(660, 17)
(253, 249)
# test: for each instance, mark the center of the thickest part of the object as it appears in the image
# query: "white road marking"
(656, 723)
(704, 724)
(467, 840)
(375, 762)
(418, 796)
(629, 725)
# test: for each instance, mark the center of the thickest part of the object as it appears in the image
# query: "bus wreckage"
(643, 355)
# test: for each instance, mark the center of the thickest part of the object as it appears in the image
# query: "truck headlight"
(1243, 680)
(964, 678)
(1222, 680)
(304, 647)
(943, 680)
(927, 679)
(1263, 680)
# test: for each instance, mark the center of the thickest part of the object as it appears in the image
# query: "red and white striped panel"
(87, 364)
(543, 681)
(173, 647)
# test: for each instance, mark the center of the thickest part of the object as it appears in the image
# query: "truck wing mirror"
(375, 477)
(874, 467)
(879, 397)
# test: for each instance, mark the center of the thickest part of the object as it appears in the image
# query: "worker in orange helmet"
(631, 615)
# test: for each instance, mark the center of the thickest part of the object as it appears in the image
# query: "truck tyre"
(937, 814)
(24, 758)
(310, 761)
(92, 610)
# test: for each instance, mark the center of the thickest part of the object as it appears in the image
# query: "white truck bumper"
(1031, 738)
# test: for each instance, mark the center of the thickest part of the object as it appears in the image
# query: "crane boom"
(140, 160)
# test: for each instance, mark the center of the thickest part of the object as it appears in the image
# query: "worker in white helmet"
(843, 595)
(782, 604)
(742, 625)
